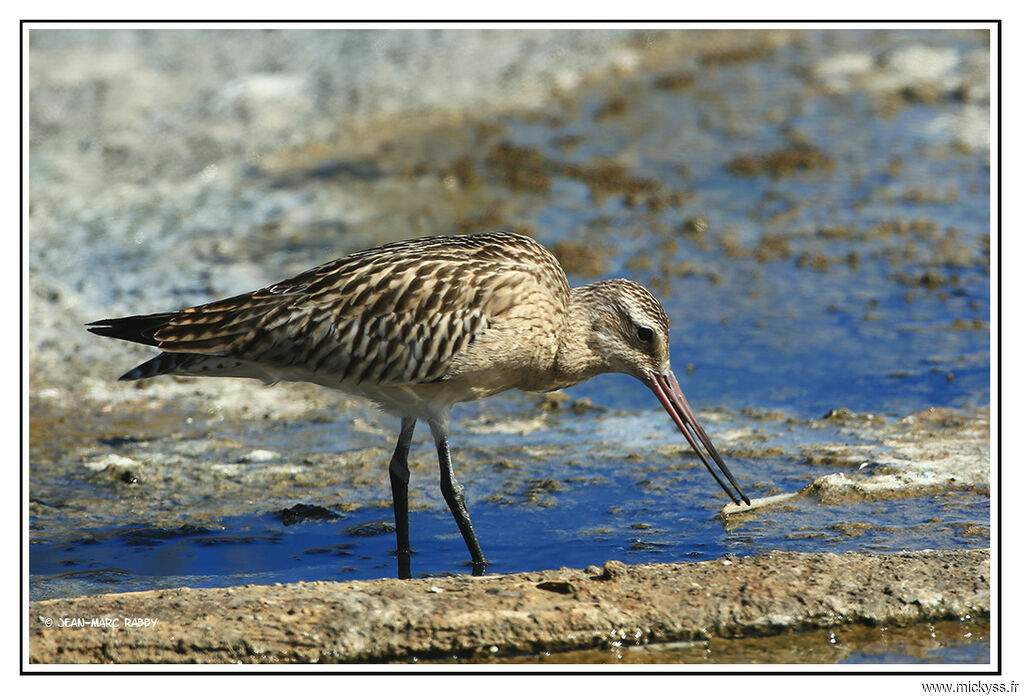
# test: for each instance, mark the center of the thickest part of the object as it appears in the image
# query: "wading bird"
(418, 325)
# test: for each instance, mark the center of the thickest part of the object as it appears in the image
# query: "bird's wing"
(392, 315)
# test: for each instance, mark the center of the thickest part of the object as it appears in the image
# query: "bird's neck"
(576, 359)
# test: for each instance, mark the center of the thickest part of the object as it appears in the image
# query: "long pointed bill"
(670, 395)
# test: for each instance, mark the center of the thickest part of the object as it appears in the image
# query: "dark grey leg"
(399, 471)
(455, 496)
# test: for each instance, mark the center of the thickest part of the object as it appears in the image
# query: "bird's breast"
(516, 350)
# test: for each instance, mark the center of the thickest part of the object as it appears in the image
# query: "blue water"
(654, 510)
(966, 652)
(774, 333)
(777, 335)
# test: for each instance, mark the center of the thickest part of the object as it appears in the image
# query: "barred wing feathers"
(395, 314)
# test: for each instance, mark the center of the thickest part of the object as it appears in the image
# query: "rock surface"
(474, 617)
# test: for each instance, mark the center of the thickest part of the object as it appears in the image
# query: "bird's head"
(629, 328)
(629, 334)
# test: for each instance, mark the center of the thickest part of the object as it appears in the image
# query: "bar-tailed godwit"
(419, 325)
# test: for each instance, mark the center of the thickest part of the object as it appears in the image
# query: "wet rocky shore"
(482, 618)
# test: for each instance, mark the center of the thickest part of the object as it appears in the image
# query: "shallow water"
(581, 489)
(581, 530)
(858, 280)
(944, 642)
(884, 250)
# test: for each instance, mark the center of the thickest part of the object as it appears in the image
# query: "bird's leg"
(399, 471)
(455, 496)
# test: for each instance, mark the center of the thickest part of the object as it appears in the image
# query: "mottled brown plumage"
(419, 325)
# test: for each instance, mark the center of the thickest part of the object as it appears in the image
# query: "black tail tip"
(135, 328)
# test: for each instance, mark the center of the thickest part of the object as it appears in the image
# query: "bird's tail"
(136, 328)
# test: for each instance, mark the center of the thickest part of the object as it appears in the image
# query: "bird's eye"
(644, 334)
